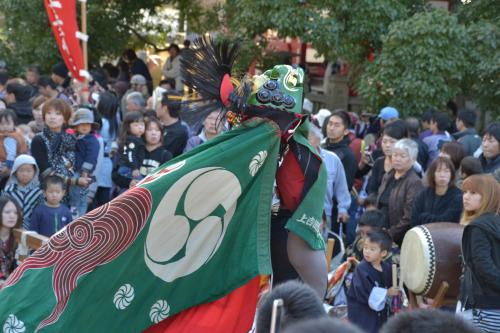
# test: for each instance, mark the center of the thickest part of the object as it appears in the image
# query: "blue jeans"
(125, 171)
(78, 199)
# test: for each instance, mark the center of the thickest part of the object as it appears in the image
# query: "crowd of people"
(404, 174)
(66, 149)
(301, 310)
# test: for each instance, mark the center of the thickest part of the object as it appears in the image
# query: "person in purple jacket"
(51, 216)
(439, 136)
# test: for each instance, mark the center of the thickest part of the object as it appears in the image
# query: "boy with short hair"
(52, 215)
(371, 220)
(370, 291)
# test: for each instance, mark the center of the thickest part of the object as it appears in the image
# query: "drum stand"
(438, 301)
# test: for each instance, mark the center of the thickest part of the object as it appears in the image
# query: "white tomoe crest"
(124, 296)
(199, 230)
(13, 325)
(159, 311)
(256, 162)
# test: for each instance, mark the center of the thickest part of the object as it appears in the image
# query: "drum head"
(418, 262)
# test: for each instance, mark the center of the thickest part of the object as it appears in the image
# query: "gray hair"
(136, 98)
(409, 146)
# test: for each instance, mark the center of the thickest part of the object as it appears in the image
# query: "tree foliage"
(476, 10)
(358, 26)
(483, 71)
(422, 64)
(336, 28)
(26, 36)
(423, 57)
(482, 19)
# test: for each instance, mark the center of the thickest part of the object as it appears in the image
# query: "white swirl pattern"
(256, 162)
(124, 296)
(13, 325)
(159, 311)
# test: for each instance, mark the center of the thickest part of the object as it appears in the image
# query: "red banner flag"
(62, 18)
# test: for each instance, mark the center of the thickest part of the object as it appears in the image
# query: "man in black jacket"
(176, 134)
(336, 130)
(490, 158)
(467, 135)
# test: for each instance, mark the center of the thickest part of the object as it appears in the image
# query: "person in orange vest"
(12, 142)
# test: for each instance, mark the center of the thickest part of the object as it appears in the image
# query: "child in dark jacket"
(51, 216)
(156, 154)
(370, 291)
(131, 146)
(86, 153)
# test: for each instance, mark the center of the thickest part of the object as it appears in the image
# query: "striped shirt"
(27, 198)
(486, 320)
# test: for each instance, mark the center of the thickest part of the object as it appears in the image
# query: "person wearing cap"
(172, 67)
(61, 77)
(86, 154)
(322, 115)
(138, 83)
(59, 74)
(387, 115)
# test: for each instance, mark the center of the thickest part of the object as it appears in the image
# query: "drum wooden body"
(430, 254)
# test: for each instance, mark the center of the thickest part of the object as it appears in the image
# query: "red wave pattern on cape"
(90, 241)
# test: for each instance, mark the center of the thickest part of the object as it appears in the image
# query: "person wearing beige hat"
(86, 154)
(138, 83)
